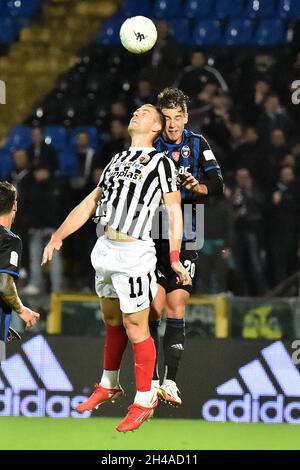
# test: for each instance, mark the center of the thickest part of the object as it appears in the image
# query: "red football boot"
(136, 416)
(99, 396)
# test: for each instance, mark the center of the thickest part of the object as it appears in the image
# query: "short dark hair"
(172, 98)
(8, 195)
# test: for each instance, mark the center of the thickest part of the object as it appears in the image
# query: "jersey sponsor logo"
(185, 151)
(128, 171)
(35, 384)
(208, 155)
(175, 156)
(14, 257)
(272, 393)
(182, 169)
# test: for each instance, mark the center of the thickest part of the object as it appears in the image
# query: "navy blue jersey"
(10, 255)
(194, 155)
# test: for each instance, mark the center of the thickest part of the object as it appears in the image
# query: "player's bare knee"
(136, 328)
(177, 312)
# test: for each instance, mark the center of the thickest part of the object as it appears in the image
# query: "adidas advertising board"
(220, 380)
(33, 383)
(266, 389)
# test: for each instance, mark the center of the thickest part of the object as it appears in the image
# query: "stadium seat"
(109, 34)
(19, 137)
(289, 9)
(67, 163)
(5, 163)
(91, 131)
(181, 30)
(3, 8)
(23, 7)
(239, 32)
(167, 9)
(7, 31)
(207, 32)
(135, 8)
(261, 9)
(270, 32)
(56, 136)
(229, 9)
(196, 9)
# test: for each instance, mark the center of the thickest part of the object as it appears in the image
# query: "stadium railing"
(219, 304)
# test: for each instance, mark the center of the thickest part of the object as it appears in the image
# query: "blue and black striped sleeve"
(10, 255)
(213, 176)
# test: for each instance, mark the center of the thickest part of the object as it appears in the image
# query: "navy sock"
(173, 346)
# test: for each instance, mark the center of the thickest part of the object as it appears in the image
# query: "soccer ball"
(138, 34)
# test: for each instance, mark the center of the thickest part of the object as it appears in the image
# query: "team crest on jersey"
(175, 156)
(144, 158)
(185, 151)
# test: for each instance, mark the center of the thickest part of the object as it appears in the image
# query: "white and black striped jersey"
(132, 186)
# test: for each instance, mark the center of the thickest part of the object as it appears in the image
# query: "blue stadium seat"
(261, 9)
(181, 31)
(91, 131)
(136, 8)
(196, 9)
(23, 7)
(3, 8)
(289, 9)
(167, 9)
(19, 137)
(110, 32)
(239, 32)
(7, 31)
(67, 163)
(56, 136)
(229, 9)
(5, 163)
(270, 32)
(207, 32)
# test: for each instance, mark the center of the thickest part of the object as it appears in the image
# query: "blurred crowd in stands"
(240, 100)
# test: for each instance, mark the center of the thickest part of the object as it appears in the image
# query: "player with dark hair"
(200, 175)
(129, 192)
(10, 254)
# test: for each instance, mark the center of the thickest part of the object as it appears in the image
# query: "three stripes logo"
(35, 384)
(266, 389)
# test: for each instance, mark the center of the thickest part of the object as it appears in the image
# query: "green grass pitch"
(159, 434)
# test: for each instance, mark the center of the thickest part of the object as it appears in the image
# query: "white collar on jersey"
(142, 148)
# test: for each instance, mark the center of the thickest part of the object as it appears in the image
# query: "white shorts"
(125, 270)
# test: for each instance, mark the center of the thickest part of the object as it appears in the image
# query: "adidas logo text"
(41, 390)
(273, 398)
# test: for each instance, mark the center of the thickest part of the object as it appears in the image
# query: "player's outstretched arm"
(73, 222)
(9, 294)
(172, 202)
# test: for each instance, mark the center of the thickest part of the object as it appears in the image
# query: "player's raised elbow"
(215, 184)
